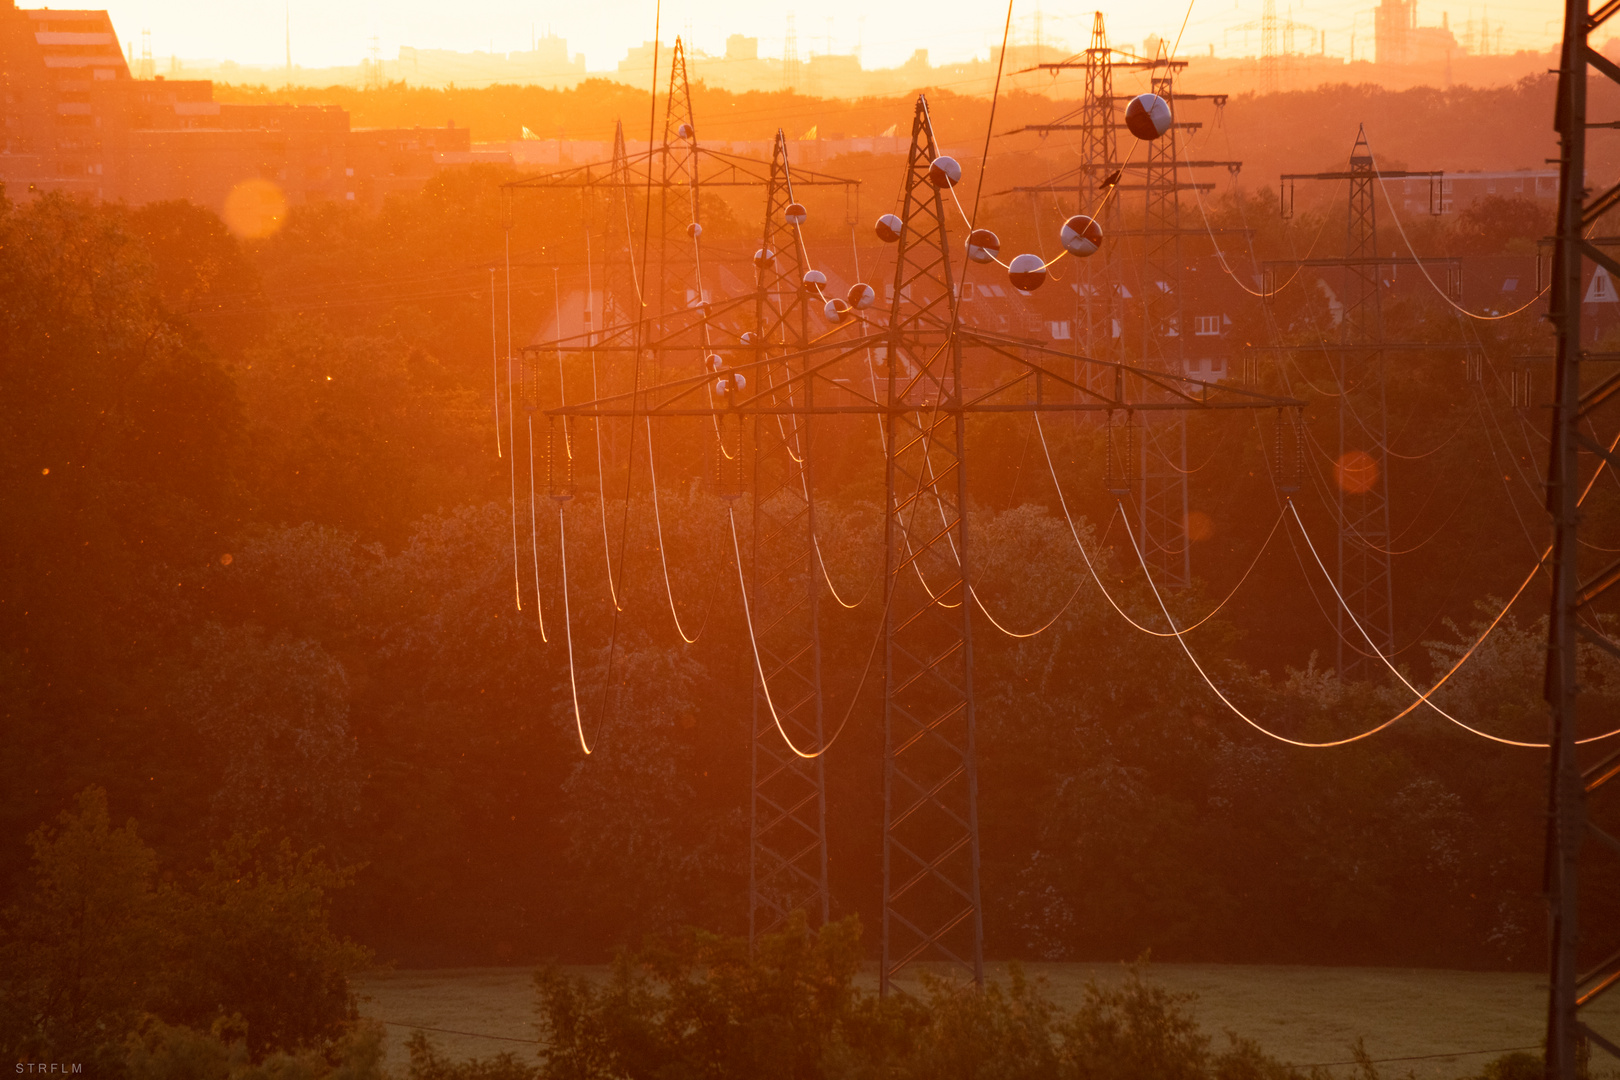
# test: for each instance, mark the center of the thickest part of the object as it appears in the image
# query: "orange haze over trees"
(258, 581)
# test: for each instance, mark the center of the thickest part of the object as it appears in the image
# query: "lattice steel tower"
(1363, 462)
(787, 868)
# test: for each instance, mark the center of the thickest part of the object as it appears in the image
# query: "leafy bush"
(160, 1051)
(100, 949)
(703, 1007)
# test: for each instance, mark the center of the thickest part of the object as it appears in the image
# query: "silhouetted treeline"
(1454, 128)
(258, 574)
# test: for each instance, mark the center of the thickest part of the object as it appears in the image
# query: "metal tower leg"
(788, 812)
(931, 908)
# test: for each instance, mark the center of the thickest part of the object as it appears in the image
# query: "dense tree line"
(258, 580)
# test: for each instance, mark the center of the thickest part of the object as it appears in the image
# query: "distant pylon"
(1268, 48)
(790, 56)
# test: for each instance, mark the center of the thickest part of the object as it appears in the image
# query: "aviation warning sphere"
(795, 214)
(1081, 235)
(739, 380)
(861, 296)
(1148, 116)
(714, 362)
(1027, 273)
(889, 227)
(694, 230)
(835, 310)
(722, 386)
(749, 337)
(684, 131)
(814, 279)
(944, 172)
(983, 246)
(764, 257)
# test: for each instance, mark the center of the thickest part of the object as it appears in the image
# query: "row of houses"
(1222, 313)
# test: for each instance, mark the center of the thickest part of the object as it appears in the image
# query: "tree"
(81, 956)
(276, 713)
(258, 946)
(99, 945)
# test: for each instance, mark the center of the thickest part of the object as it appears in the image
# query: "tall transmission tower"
(788, 810)
(1151, 326)
(931, 891)
(931, 904)
(1361, 471)
(663, 312)
(147, 69)
(1583, 962)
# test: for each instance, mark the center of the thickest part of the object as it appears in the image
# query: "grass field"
(1305, 1015)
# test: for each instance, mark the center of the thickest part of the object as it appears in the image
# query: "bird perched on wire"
(1111, 179)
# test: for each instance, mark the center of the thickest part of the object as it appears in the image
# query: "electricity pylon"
(932, 908)
(1584, 963)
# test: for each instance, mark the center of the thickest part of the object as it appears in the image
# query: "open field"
(1306, 1015)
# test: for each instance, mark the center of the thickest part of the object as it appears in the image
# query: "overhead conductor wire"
(511, 427)
(495, 360)
(1382, 186)
(630, 471)
(534, 536)
(601, 486)
(1074, 531)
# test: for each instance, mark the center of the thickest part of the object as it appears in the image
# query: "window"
(1059, 330)
(1208, 324)
(1510, 285)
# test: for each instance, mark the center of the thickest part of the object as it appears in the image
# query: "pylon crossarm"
(1160, 379)
(581, 341)
(689, 384)
(729, 170)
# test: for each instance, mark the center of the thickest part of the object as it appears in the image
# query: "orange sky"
(340, 32)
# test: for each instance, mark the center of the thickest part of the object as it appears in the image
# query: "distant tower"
(790, 56)
(147, 69)
(1393, 21)
(374, 79)
(1268, 48)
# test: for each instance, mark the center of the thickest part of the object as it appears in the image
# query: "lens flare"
(255, 209)
(1355, 472)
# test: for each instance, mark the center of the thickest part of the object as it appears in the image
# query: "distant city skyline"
(342, 32)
